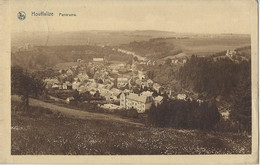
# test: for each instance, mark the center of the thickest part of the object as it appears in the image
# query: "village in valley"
(119, 85)
(116, 89)
(160, 84)
(132, 78)
(116, 85)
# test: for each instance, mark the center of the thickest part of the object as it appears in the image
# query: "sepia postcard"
(119, 82)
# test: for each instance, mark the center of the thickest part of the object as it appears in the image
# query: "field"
(60, 47)
(160, 48)
(41, 131)
(207, 45)
(77, 38)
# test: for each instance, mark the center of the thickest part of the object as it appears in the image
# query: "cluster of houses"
(177, 59)
(117, 89)
(111, 88)
(231, 53)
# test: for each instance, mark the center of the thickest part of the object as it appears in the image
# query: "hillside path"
(76, 113)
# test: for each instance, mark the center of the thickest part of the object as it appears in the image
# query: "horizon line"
(205, 33)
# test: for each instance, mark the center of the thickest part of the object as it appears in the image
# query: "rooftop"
(115, 91)
(136, 97)
(122, 79)
(158, 98)
(98, 59)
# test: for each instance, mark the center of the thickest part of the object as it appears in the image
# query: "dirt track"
(76, 113)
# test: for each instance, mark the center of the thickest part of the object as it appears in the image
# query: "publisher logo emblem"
(21, 15)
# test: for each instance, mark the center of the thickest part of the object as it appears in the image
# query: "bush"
(226, 126)
(132, 113)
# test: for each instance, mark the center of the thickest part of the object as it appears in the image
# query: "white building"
(147, 93)
(157, 87)
(75, 85)
(139, 102)
(158, 100)
(231, 53)
(141, 75)
(181, 96)
(69, 72)
(122, 82)
(115, 94)
(51, 81)
(98, 60)
(70, 99)
(82, 77)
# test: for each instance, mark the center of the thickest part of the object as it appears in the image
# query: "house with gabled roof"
(51, 81)
(147, 93)
(69, 72)
(181, 96)
(97, 61)
(157, 87)
(75, 85)
(115, 94)
(82, 77)
(149, 82)
(136, 101)
(122, 82)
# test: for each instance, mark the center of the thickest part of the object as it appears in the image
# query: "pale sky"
(194, 16)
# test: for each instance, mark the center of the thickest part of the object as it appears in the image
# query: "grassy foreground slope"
(40, 132)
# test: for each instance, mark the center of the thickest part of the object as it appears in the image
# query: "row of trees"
(184, 114)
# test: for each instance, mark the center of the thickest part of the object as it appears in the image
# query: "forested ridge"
(221, 78)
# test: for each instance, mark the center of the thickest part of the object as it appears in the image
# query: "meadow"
(161, 48)
(208, 45)
(43, 132)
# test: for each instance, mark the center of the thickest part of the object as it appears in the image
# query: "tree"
(160, 66)
(86, 96)
(24, 84)
(100, 81)
(168, 61)
(241, 110)
(130, 61)
(135, 58)
(184, 114)
(38, 86)
(75, 94)
(150, 74)
(97, 94)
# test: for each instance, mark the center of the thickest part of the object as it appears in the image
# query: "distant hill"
(200, 45)
(41, 57)
(93, 37)
(113, 38)
(58, 47)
